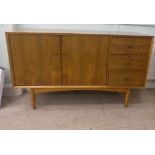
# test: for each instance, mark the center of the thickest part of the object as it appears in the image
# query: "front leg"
(33, 98)
(127, 93)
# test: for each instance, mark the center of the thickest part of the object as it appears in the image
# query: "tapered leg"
(127, 93)
(33, 98)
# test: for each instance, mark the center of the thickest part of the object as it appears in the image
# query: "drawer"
(130, 45)
(126, 78)
(128, 62)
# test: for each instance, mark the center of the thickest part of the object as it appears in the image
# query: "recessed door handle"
(55, 54)
(64, 53)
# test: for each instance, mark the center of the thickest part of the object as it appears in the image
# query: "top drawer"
(130, 45)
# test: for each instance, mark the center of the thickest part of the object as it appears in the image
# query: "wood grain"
(36, 59)
(128, 62)
(126, 78)
(129, 45)
(84, 60)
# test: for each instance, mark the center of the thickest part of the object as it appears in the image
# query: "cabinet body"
(60, 61)
(44, 59)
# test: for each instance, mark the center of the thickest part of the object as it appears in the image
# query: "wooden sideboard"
(46, 61)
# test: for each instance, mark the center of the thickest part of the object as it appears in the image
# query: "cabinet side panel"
(149, 58)
(10, 59)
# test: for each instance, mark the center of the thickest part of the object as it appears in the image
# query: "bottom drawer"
(124, 78)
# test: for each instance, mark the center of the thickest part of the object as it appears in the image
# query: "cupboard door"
(84, 59)
(35, 59)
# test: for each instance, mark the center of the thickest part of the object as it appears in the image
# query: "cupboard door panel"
(35, 59)
(84, 59)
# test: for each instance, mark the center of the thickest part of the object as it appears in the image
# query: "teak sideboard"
(46, 61)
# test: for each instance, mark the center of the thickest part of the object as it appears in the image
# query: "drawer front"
(128, 62)
(124, 78)
(130, 45)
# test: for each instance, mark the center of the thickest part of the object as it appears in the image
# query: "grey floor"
(79, 110)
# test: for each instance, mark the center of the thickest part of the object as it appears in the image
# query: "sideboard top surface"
(77, 32)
